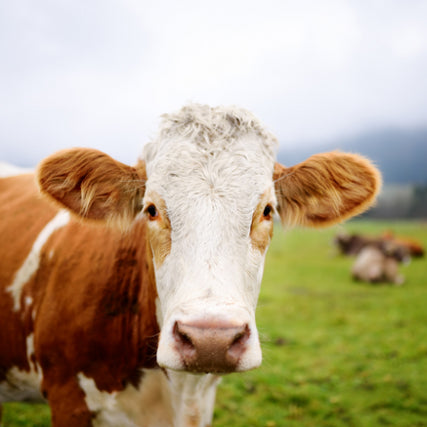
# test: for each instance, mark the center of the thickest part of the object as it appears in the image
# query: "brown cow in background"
(378, 258)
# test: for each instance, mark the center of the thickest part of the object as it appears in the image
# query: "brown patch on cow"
(262, 224)
(93, 185)
(124, 283)
(325, 189)
(23, 216)
(67, 402)
(92, 307)
(104, 317)
(159, 229)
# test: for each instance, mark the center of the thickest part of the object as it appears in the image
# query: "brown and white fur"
(125, 292)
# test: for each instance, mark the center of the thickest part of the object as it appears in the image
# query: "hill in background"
(401, 155)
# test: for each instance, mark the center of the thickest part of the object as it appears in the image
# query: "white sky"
(99, 73)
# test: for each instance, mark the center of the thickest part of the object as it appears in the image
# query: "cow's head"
(208, 188)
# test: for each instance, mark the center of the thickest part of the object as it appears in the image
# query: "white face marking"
(23, 385)
(7, 170)
(211, 186)
(31, 263)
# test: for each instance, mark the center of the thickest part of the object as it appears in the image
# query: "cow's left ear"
(325, 189)
(93, 185)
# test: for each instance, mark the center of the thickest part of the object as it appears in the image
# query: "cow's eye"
(267, 212)
(152, 212)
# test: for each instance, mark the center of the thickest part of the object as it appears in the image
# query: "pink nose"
(210, 345)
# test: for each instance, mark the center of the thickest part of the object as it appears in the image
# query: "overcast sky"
(99, 73)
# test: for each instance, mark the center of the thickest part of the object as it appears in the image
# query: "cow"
(374, 264)
(413, 246)
(377, 259)
(127, 291)
(352, 244)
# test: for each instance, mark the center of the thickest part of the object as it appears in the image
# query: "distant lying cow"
(375, 264)
(124, 300)
(377, 258)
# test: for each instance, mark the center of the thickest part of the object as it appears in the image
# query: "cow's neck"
(122, 308)
(134, 267)
(192, 397)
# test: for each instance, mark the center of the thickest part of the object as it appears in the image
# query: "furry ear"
(93, 185)
(325, 189)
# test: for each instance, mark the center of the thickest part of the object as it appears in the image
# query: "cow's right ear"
(93, 185)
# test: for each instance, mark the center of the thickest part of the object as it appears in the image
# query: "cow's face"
(208, 190)
(209, 203)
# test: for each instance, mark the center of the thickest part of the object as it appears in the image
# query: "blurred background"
(335, 74)
(322, 75)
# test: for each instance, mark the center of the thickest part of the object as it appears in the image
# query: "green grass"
(25, 415)
(336, 353)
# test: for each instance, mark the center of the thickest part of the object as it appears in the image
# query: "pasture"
(336, 352)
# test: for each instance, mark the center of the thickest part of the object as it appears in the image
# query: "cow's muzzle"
(210, 345)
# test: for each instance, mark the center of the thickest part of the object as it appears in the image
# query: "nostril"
(238, 338)
(237, 346)
(181, 337)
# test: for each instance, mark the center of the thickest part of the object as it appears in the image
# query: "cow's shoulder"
(85, 293)
(24, 215)
(101, 284)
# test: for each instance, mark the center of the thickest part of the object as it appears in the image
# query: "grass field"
(336, 353)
